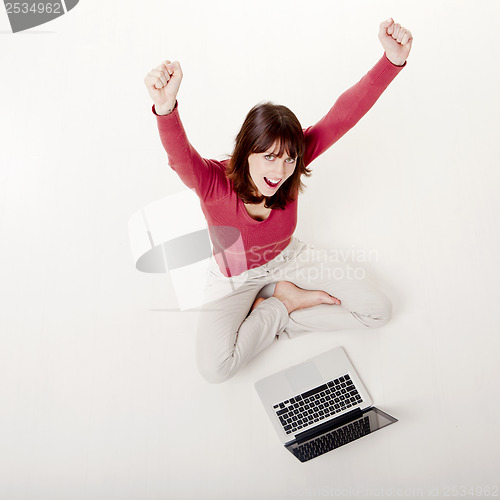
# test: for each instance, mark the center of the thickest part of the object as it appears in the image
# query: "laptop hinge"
(330, 425)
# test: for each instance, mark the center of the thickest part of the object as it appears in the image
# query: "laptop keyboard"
(333, 439)
(317, 404)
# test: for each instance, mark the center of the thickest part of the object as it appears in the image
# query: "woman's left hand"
(396, 41)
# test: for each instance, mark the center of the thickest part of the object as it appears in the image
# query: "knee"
(382, 313)
(214, 376)
(212, 373)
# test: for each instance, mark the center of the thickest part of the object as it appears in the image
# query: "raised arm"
(195, 172)
(355, 102)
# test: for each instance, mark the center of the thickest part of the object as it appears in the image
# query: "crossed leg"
(235, 328)
(362, 304)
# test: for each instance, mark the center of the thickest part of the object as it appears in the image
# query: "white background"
(99, 393)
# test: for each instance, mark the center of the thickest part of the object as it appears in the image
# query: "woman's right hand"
(163, 83)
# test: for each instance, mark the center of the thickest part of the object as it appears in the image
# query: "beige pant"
(228, 336)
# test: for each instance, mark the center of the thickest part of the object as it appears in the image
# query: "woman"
(250, 203)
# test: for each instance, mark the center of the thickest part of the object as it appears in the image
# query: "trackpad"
(305, 376)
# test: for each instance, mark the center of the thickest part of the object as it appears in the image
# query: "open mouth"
(272, 183)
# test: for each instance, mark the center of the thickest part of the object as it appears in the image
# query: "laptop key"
(314, 391)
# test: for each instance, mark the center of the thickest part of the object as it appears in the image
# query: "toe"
(329, 299)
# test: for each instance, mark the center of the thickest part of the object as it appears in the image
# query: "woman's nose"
(280, 168)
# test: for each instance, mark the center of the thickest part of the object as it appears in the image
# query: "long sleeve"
(349, 108)
(205, 176)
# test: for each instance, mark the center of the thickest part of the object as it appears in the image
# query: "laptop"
(320, 405)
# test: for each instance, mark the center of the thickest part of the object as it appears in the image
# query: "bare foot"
(297, 298)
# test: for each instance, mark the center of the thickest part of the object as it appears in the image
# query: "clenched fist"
(396, 41)
(163, 83)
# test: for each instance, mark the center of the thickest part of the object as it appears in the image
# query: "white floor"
(99, 393)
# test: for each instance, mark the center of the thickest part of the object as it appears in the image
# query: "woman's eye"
(269, 157)
(290, 160)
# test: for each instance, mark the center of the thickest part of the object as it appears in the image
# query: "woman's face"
(268, 171)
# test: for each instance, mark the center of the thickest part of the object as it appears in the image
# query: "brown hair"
(265, 125)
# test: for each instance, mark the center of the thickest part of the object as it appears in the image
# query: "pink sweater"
(241, 242)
